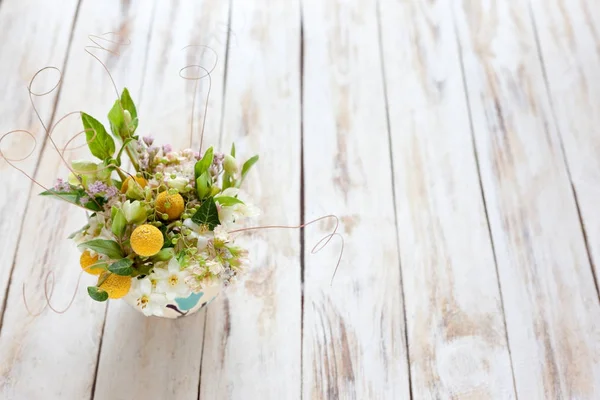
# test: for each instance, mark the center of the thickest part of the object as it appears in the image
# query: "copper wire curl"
(321, 243)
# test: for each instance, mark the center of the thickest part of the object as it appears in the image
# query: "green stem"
(133, 160)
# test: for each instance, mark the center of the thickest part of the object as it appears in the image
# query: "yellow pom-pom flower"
(146, 240)
(141, 181)
(87, 263)
(116, 286)
(170, 204)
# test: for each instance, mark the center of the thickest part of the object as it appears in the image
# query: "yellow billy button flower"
(116, 286)
(170, 204)
(141, 181)
(87, 263)
(146, 240)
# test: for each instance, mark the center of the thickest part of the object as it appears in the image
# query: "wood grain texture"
(353, 344)
(569, 39)
(456, 333)
(54, 356)
(252, 340)
(20, 58)
(551, 303)
(157, 358)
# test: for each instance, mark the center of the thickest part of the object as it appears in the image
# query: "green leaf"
(100, 143)
(122, 267)
(246, 167)
(109, 248)
(128, 105)
(228, 201)
(118, 222)
(203, 185)
(233, 150)
(74, 197)
(116, 116)
(204, 164)
(207, 214)
(116, 119)
(97, 293)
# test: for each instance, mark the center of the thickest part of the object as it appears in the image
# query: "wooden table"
(457, 141)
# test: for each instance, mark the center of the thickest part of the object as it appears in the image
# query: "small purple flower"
(84, 200)
(111, 191)
(197, 155)
(144, 163)
(96, 187)
(62, 186)
(148, 140)
(167, 148)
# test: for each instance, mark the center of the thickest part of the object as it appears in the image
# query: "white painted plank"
(24, 51)
(252, 343)
(456, 334)
(164, 356)
(54, 356)
(569, 39)
(551, 304)
(353, 345)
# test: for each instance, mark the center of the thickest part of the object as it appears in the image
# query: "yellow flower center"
(173, 280)
(142, 302)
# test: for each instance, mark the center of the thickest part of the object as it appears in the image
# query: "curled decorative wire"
(321, 243)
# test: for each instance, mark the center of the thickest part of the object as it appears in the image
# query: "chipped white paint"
(550, 300)
(569, 36)
(456, 335)
(353, 331)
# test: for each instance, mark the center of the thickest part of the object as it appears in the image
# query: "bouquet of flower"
(159, 238)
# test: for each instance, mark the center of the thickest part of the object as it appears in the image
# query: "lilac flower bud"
(148, 140)
(167, 148)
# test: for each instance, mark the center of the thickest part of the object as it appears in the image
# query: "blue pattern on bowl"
(189, 302)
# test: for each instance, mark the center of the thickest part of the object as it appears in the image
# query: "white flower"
(172, 280)
(145, 299)
(229, 215)
(214, 267)
(221, 234)
(198, 233)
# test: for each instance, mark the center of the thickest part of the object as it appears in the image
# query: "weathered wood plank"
(551, 304)
(253, 331)
(354, 339)
(54, 356)
(24, 51)
(455, 322)
(161, 358)
(569, 39)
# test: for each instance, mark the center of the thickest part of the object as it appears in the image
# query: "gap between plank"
(37, 166)
(482, 191)
(302, 204)
(391, 155)
(93, 391)
(562, 147)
